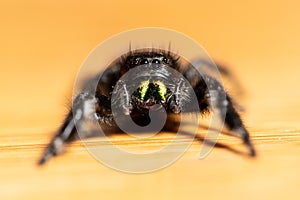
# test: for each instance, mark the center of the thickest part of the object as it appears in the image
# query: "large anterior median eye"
(161, 89)
(144, 61)
(156, 61)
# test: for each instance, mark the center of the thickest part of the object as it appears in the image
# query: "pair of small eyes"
(154, 61)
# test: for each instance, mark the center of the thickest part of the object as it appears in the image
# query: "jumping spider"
(148, 94)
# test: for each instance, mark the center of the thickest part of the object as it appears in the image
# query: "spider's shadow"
(217, 144)
(205, 141)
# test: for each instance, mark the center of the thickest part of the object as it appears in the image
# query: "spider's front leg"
(85, 108)
(211, 93)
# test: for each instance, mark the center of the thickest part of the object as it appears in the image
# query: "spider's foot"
(46, 156)
(252, 151)
(243, 133)
(54, 148)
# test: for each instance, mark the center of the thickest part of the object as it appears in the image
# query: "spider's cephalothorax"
(147, 95)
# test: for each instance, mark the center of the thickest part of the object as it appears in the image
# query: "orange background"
(43, 44)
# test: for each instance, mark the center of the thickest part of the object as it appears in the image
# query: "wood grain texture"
(43, 44)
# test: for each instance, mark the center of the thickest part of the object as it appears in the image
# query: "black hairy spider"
(148, 94)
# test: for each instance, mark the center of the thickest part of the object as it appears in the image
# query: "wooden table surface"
(43, 45)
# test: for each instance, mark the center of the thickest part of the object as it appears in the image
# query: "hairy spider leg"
(211, 93)
(83, 110)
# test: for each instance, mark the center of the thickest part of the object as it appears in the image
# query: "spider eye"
(136, 60)
(144, 61)
(156, 61)
(165, 60)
